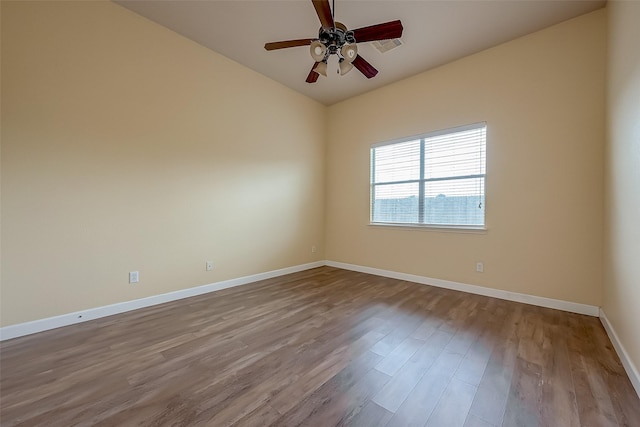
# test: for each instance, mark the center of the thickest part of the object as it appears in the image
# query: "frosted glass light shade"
(321, 68)
(345, 67)
(349, 52)
(318, 51)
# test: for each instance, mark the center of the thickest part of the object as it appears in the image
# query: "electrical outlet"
(313, 249)
(209, 265)
(480, 267)
(134, 277)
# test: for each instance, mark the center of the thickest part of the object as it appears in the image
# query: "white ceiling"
(435, 32)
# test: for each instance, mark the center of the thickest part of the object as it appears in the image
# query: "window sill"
(437, 228)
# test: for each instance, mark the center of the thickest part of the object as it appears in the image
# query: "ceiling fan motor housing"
(335, 37)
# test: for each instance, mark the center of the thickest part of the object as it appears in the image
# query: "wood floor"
(323, 347)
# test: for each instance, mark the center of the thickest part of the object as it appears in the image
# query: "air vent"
(386, 45)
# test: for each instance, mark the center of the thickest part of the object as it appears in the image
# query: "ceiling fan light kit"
(349, 52)
(345, 67)
(335, 39)
(321, 68)
(318, 51)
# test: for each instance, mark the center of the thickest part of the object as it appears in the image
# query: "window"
(436, 179)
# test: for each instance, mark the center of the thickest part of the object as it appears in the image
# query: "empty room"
(319, 212)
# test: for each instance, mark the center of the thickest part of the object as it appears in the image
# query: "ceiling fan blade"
(313, 76)
(364, 67)
(385, 31)
(287, 43)
(323, 9)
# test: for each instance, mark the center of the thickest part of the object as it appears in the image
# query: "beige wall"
(543, 98)
(622, 177)
(127, 147)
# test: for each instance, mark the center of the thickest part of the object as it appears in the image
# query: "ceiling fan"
(335, 39)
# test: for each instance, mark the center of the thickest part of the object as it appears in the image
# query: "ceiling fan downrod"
(335, 39)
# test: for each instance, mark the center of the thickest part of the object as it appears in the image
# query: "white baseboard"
(573, 307)
(22, 329)
(628, 364)
(27, 328)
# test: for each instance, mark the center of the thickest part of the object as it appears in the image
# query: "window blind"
(433, 179)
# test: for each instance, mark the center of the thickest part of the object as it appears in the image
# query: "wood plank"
(262, 416)
(473, 421)
(490, 401)
(340, 407)
(371, 415)
(453, 407)
(592, 398)
(399, 356)
(525, 396)
(617, 384)
(558, 396)
(401, 385)
(425, 397)
(332, 390)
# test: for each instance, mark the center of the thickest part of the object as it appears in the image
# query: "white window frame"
(422, 180)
